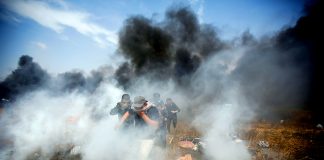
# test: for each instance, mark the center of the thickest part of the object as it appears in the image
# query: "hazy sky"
(81, 34)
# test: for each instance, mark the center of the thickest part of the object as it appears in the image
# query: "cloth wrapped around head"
(125, 101)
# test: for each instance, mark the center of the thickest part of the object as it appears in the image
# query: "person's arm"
(114, 110)
(148, 120)
(122, 119)
(177, 108)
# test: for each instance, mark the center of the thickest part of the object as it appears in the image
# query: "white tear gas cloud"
(45, 123)
(41, 124)
(220, 123)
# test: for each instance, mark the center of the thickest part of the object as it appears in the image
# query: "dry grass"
(285, 141)
(295, 138)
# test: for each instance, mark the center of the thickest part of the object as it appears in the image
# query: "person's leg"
(169, 124)
(160, 139)
(163, 138)
(174, 122)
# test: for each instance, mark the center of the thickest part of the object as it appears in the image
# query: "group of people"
(141, 113)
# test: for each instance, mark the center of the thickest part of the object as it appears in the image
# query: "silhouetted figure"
(121, 108)
(172, 110)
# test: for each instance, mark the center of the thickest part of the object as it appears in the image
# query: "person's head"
(139, 103)
(125, 101)
(125, 98)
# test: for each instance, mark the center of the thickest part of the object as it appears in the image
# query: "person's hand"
(122, 120)
(147, 119)
(141, 113)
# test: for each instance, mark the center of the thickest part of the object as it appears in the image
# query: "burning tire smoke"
(171, 49)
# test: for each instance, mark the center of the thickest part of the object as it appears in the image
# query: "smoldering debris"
(193, 143)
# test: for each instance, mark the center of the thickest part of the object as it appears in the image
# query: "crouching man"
(121, 108)
(146, 118)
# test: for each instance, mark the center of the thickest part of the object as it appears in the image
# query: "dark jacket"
(141, 126)
(172, 107)
(152, 113)
(120, 110)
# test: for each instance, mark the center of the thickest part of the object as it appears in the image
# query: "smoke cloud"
(179, 46)
(171, 49)
(306, 36)
(28, 76)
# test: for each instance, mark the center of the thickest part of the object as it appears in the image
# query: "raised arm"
(177, 108)
(122, 119)
(148, 120)
(114, 110)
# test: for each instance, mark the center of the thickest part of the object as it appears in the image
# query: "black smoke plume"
(124, 75)
(72, 81)
(308, 34)
(76, 81)
(171, 49)
(146, 45)
(28, 76)
(282, 70)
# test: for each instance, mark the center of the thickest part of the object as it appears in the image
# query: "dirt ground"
(294, 137)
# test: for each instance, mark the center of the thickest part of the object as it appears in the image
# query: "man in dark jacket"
(146, 113)
(147, 119)
(121, 108)
(172, 110)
